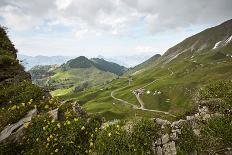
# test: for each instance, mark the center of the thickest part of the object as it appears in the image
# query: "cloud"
(161, 15)
(115, 16)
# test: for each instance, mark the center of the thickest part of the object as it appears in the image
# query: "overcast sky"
(107, 27)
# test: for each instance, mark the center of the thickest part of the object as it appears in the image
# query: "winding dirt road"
(139, 100)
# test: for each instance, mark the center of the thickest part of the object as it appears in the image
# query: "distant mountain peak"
(211, 38)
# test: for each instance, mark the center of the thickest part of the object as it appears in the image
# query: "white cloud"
(62, 4)
(115, 16)
(144, 49)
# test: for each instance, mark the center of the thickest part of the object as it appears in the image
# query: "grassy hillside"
(76, 75)
(171, 81)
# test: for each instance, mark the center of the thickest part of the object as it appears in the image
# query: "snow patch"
(217, 44)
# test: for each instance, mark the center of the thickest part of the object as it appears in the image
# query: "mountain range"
(124, 60)
(76, 73)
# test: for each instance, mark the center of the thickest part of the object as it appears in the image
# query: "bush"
(74, 135)
(113, 139)
(216, 134)
(136, 137)
(20, 92)
(7, 60)
(219, 96)
(14, 112)
(187, 141)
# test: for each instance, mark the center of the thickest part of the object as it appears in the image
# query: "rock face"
(8, 131)
(10, 69)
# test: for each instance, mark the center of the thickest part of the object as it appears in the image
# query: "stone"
(159, 150)
(197, 132)
(8, 130)
(165, 138)
(206, 116)
(177, 123)
(161, 122)
(172, 148)
(54, 113)
(169, 148)
(189, 118)
(158, 141)
(173, 136)
(203, 110)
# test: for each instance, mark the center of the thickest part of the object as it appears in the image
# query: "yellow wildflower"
(26, 125)
(53, 120)
(37, 139)
(76, 119)
(117, 126)
(91, 143)
(58, 125)
(46, 106)
(109, 134)
(56, 150)
(82, 128)
(51, 136)
(14, 107)
(48, 139)
(68, 122)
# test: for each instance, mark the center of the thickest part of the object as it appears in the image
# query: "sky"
(107, 27)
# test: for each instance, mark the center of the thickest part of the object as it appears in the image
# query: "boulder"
(169, 148)
(54, 113)
(159, 150)
(162, 122)
(165, 138)
(8, 130)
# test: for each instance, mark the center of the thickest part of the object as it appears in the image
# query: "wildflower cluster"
(72, 134)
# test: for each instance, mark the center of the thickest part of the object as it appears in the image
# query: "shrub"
(71, 136)
(216, 134)
(6, 60)
(20, 92)
(187, 141)
(219, 96)
(113, 139)
(134, 138)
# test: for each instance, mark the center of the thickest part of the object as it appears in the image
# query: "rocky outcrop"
(14, 131)
(166, 143)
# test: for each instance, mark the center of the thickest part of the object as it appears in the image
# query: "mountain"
(168, 83)
(76, 74)
(31, 61)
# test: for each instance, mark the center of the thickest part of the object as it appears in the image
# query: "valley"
(175, 103)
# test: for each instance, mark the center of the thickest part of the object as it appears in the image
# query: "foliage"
(74, 135)
(134, 137)
(20, 92)
(6, 60)
(12, 113)
(216, 135)
(187, 141)
(219, 96)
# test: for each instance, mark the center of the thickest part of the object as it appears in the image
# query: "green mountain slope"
(170, 83)
(76, 75)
